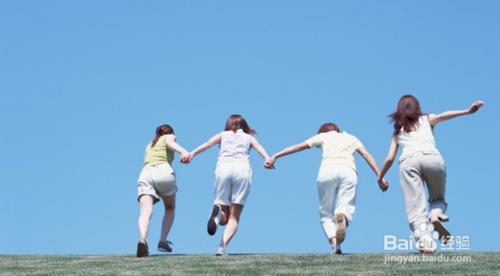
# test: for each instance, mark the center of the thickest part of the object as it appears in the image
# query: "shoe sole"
(142, 250)
(211, 225)
(161, 249)
(444, 234)
(444, 219)
(427, 251)
(341, 227)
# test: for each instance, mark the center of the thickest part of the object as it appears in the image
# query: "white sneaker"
(437, 218)
(165, 246)
(221, 251)
(437, 215)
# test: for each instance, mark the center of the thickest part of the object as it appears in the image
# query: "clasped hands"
(186, 157)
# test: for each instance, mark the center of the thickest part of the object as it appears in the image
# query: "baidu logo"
(426, 236)
(423, 237)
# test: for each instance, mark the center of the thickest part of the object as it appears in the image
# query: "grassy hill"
(307, 264)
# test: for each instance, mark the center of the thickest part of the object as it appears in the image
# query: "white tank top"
(234, 146)
(420, 140)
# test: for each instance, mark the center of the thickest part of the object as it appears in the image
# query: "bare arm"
(435, 119)
(369, 160)
(211, 142)
(172, 145)
(383, 184)
(391, 155)
(256, 145)
(289, 150)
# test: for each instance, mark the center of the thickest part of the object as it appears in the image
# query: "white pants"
(157, 181)
(415, 172)
(337, 194)
(232, 182)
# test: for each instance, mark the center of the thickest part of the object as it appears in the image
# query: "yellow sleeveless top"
(159, 153)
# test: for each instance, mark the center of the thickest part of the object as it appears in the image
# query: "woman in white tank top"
(233, 176)
(421, 164)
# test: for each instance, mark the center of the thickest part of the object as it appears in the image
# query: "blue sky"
(84, 84)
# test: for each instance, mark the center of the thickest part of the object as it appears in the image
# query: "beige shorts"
(157, 181)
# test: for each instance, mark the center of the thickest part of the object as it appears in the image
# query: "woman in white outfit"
(157, 181)
(337, 178)
(233, 176)
(421, 164)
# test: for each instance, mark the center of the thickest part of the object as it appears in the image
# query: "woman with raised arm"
(421, 163)
(233, 176)
(337, 178)
(157, 181)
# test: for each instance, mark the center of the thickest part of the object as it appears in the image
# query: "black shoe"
(338, 251)
(164, 246)
(142, 249)
(211, 224)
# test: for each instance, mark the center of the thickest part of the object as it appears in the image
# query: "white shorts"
(337, 195)
(232, 183)
(157, 181)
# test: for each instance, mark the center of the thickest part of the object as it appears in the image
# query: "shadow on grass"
(159, 255)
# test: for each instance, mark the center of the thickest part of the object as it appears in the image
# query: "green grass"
(307, 264)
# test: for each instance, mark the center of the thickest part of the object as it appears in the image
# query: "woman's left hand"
(186, 158)
(383, 184)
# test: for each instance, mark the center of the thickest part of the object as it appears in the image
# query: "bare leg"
(232, 224)
(333, 242)
(168, 218)
(224, 218)
(146, 211)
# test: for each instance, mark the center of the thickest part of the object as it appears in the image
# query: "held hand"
(269, 163)
(186, 158)
(475, 106)
(383, 184)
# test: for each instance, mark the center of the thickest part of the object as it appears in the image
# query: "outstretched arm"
(211, 142)
(373, 165)
(434, 119)
(287, 151)
(262, 152)
(369, 160)
(172, 145)
(391, 155)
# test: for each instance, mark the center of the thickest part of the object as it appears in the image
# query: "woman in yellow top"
(337, 178)
(157, 181)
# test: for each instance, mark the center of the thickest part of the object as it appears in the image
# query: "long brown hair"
(326, 127)
(160, 131)
(407, 114)
(235, 122)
